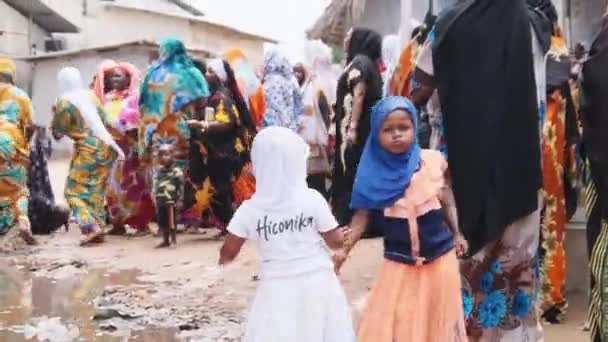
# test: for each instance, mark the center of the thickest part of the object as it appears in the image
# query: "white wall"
(44, 91)
(108, 25)
(14, 42)
(586, 20)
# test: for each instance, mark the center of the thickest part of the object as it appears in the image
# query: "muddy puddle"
(35, 306)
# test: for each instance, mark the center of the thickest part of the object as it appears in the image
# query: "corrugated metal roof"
(67, 53)
(177, 12)
(43, 15)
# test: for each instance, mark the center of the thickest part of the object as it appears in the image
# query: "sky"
(283, 20)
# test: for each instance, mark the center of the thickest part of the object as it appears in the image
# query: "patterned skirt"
(500, 286)
(597, 234)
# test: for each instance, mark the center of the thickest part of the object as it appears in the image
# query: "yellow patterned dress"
(16, 107)
(14, 159)
(90, 166)
(15, 121)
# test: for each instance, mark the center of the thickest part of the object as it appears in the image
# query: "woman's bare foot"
(118, 230)
(25, 232)
(164, 244)
(96, 236)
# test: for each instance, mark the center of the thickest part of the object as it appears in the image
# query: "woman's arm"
(231, 248)
(358, 225)
(358, 99)
(423, 89)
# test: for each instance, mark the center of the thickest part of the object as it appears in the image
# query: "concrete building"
(109, 22)
(580, 19)
(25, 27)
(35, 27)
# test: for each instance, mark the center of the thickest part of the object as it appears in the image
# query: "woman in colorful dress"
(78, 115)
(13, 182)
(128, 194)
(172, 93)
(224, 142)
(359, 88)
(16, 113)
(559, 136)
(495, 168)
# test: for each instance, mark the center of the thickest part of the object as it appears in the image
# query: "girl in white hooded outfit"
(299, 298)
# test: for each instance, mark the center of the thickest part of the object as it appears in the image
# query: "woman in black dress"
(359, 88)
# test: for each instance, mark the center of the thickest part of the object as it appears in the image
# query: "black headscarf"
(241, 105)
(595, 114)
(364, 42)
(484, 69)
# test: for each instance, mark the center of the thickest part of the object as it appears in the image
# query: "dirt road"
(178, 291)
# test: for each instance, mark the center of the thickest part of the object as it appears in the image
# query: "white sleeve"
(239, 225)
(324, 218)
(425, 58)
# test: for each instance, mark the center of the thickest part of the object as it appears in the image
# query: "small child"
(299, 298)
(167, 191)
(402, 189)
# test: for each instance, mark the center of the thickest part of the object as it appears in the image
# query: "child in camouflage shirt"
(167, 191)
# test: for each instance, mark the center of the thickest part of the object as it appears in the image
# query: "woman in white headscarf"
(391, 49)
(282, 96)
(299, 297)
(318, 87)
(79, 116)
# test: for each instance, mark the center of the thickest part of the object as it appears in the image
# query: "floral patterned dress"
(559, 170)
(216, 161)
(90, 167)
(15, 121)
(129, 188)
(14, 159)
(16, 107)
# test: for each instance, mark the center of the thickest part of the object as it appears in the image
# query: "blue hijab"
(382, 177)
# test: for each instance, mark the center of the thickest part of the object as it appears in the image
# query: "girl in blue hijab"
(400, 188)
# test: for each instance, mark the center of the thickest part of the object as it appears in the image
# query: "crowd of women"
(494, 90)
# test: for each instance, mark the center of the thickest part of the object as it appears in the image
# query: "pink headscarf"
(108, 66)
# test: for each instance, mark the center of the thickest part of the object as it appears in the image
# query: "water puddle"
(36, 307)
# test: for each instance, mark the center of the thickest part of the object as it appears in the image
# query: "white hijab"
(279, 158)
(391, 48)
(71, 88)
(217, 65)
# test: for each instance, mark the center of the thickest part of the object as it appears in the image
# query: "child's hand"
(461, 245)
(339, 258)
(346, 233)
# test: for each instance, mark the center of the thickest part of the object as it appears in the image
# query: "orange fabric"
(257, 104)
(415, 303)
(244, 186)
(400, 80)
(555, 216)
